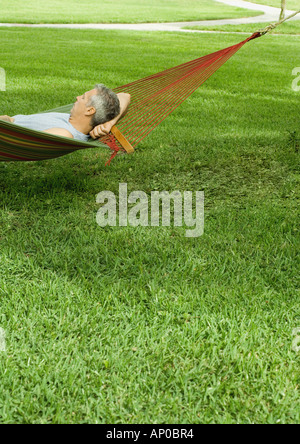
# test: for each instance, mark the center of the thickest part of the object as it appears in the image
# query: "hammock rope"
(153, 98)
(272, 26)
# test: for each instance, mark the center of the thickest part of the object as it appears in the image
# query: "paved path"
(269, 15)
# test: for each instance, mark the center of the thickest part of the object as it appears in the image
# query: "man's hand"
(7, 119)
(102, 130)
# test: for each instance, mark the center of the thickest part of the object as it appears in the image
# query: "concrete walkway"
(269, 15)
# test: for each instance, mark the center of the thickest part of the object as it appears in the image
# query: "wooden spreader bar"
(122, 140)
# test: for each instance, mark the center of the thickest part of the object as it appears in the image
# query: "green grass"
(111, 11)
(138, 325)
(290, 4)
(292, 27)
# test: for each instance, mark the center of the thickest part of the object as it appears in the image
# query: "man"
(93, 115)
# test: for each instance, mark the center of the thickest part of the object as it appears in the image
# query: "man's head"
(99, 105)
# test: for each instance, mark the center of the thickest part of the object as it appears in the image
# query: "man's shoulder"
(60, 132)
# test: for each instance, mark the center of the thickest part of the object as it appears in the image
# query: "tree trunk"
(282, 12)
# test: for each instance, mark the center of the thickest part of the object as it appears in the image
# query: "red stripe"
(13, 157)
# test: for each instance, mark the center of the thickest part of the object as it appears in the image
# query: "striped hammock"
(152, 100)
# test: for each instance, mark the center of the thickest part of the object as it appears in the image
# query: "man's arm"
(7, 119)
(104, 128)
(55, 131)
(59, 132)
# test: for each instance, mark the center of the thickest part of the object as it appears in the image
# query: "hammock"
(152, 100)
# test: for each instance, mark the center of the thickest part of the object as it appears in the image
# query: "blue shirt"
(44, 121)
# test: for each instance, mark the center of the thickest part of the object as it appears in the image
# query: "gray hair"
(106, 104)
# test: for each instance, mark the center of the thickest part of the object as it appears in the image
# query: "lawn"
(290, 4)
(289, 27)
(111, 11)
(137, 325)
